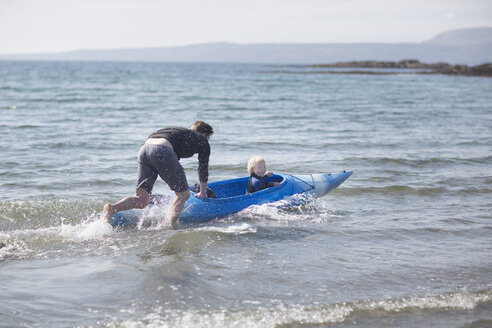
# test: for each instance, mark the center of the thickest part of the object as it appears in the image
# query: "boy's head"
(257, 165)
(203, 128)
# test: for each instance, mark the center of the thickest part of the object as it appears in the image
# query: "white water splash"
(281, 211)
(13, 248)
(93, 228)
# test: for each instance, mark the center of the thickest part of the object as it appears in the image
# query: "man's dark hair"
(202, 127)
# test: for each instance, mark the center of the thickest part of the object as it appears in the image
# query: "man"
(160, 156)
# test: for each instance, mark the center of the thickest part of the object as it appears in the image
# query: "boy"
(257, 172)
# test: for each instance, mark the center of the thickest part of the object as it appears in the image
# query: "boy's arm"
(271, 184)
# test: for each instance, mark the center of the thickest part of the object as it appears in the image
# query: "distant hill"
(446, 47)
(463, 37)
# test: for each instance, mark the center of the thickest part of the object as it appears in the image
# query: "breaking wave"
(295, 315)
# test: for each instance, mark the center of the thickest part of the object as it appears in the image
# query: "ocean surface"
(406, 241)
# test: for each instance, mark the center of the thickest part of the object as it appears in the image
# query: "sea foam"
(92, 228)
(283, 314)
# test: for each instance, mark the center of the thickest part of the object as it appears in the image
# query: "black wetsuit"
(160, 160)
(257, 183)
(185, 144)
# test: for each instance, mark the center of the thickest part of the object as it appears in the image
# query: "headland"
(408, 66)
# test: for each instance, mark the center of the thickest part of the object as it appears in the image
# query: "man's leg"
(177, 205)
(140, 200)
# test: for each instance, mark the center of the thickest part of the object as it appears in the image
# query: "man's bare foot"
(107, 213)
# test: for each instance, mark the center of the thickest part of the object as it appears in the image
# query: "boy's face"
(260, 169)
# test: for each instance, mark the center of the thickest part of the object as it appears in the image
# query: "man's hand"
(201, 194)
(203, 190)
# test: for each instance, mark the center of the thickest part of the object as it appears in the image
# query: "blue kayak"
(231, 197)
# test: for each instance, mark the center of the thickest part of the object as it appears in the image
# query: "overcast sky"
(35, 26)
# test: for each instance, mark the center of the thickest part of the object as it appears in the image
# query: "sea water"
(406, 241)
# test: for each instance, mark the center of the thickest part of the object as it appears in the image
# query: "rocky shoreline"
(415, 66)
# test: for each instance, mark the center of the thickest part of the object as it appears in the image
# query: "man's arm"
(203, 158)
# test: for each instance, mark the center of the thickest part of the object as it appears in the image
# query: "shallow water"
(405, 242)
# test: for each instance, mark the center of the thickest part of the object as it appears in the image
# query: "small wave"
(9, 88)
(473, 191)
(26, 243)
(285, 315)
(37, 242)
(92, 228)
(479, 324)
(27, 126)
(13, 248)
(33, 214)
(235, 229)
(408, 190)
(60, 100)
(73, 99)
(418, 163)
(459, 301)
(392, 190)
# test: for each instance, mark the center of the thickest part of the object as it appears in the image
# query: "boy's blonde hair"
(253, 162)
